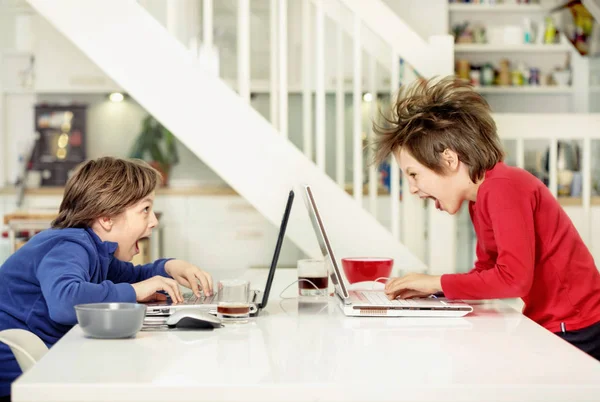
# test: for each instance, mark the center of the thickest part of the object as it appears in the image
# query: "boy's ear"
(105, 222)
(450, 159)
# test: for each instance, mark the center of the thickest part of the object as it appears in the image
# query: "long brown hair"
(104, 187)
(433, 115)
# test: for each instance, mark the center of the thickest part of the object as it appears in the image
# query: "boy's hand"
(188, 275)
(413, 285)
(146, 290)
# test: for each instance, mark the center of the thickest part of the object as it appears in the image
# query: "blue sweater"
(57, 269)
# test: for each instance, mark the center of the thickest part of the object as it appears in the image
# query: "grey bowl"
(110, 320)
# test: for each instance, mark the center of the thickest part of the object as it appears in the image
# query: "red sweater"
(528, 247)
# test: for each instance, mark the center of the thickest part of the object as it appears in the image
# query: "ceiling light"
(116, 97)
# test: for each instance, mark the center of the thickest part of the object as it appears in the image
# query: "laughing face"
(126, 229)
(447, 190)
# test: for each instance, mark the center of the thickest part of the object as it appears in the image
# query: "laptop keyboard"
(202, 299)
(380, 299)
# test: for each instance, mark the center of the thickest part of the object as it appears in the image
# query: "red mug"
(361, 269)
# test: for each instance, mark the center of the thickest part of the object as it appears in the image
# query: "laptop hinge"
(343, 300)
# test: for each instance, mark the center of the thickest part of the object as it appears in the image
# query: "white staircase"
(156, 67)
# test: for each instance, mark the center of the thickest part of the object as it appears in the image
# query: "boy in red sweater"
(446, 144)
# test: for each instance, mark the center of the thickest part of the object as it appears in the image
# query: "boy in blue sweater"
(106, 210)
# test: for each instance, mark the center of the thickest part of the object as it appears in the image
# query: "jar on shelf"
(487, 75)
(504, 77)
(534, 76)
(476, 76)
(463, 69)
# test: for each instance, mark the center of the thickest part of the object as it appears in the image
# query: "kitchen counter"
(205, 189)
(308, 351)
(212, 189)
(225, 190)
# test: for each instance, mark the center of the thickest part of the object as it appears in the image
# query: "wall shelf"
(534, 90)
(577, 201)
(488, 48)
(497, 8)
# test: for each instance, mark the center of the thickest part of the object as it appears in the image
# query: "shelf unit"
(546, 57)
(497, 8)
(524, 48)
(535, 90)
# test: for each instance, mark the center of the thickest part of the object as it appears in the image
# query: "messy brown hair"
(104, 187)
(433, 115)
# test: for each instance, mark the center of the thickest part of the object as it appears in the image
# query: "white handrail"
(385, 23)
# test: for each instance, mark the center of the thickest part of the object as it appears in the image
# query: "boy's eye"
(147, 209)
(413, 175)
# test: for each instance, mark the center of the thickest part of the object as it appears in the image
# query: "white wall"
(113, 128)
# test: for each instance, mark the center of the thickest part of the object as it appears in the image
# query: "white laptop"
(375, 303)
(258, 299)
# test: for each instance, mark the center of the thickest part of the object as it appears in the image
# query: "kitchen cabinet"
(216, 232)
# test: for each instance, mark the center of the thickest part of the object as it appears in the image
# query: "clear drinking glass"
(233, 301)
(313, 278)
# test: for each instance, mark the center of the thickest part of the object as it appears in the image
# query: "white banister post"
(520, 153)
(586, 190)
(357, 112)
(552, 167)
(373, 112)
(580, 73)
(320, 104)
(413, 210)
(307, 128)
(243, 43)
(207, 23)
(442, 228)
(207, 53)
(340, 101)
(283, 85)
(273, 93)
(394, 168)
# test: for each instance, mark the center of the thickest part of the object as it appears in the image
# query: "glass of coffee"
(233, 301)
(313, 278)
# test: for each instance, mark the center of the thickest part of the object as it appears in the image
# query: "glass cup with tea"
(313, 278)
(233, 301)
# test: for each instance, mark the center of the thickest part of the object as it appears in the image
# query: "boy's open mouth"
(137, 243)
(437, 202)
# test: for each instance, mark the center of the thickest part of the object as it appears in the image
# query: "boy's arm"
(511, 218)
(121, 271)
(484, 260)
(64, 277)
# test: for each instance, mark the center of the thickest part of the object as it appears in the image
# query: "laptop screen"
(283, 226)
(326, 250)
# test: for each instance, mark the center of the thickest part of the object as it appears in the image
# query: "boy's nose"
(153, 220)
(414, 190)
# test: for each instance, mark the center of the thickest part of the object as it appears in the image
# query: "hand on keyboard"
(413, 285)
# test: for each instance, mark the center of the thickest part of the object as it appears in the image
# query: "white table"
(310, 351)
